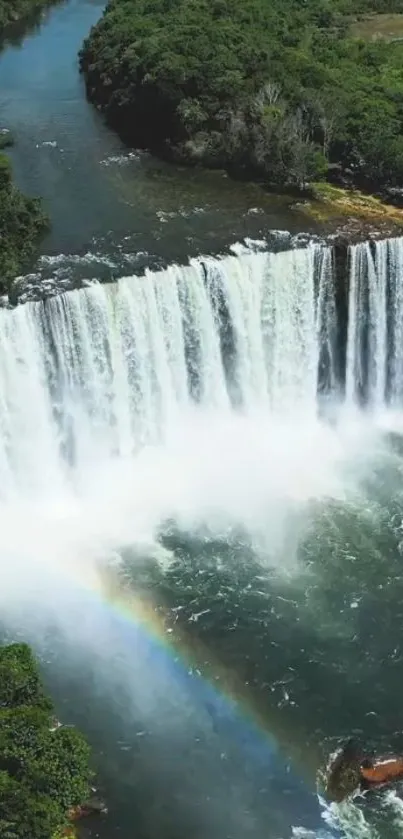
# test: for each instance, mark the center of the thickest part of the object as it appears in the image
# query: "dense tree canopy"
(44, 771)
(22, 221)
(13, 10)
(279, 88)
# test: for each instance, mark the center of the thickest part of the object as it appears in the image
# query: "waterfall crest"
(112, 365)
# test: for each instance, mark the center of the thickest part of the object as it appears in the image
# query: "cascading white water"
(190, 394)
(356, 309)
(326, 320)
(378, 346)
(395, 308)
(374, 367)
(108, 368)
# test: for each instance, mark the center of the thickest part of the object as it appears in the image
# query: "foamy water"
(188, 395)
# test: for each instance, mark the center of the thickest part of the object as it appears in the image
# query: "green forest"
(14, 10)
(284, 91)
(22, 221)
(44, 770)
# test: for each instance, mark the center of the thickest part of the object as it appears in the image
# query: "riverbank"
(119, 210)
(279, 96)
(14, 12)
(22, 223)
(349, 215)
(23, 220)
(44, 770)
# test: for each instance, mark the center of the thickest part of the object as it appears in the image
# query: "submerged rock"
(93, 806)
(342, 776)
(6, 138)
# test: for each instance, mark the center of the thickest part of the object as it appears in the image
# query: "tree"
(22, 222)
(20, 683)
(44, 771)
(26, 814)
(275, 89)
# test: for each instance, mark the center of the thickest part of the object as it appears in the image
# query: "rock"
(394, 194)
(55, 724)
(6, 138)
(343, 774)
(94, 806)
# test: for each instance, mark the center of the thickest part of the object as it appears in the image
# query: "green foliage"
(12, 11)
(43, 772)
(26, 814)
(6, 139)
(19, 679)
(22, 222)
(277, 88)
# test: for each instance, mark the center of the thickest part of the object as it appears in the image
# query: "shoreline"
(23, 11)
(258, 100)
(349, 216)
(320, 212)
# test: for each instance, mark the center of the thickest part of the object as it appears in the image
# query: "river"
(112, 209)
(208, 565)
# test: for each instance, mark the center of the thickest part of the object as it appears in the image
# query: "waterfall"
(374, 366)
(326, 324)
(395, 307)
(107, 369)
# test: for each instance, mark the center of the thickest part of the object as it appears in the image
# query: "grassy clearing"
(331, 202)
(379, 27)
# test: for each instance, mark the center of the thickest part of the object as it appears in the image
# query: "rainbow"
(183, 664)
(190, 662)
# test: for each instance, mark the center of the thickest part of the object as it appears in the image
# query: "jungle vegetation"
(44, 769)
(279, 89)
